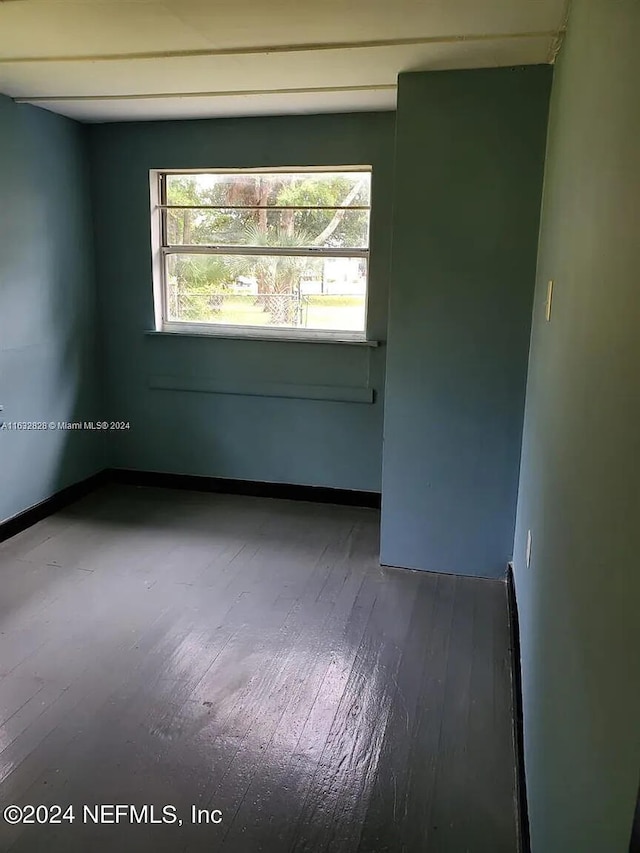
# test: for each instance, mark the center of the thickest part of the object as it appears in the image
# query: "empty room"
(319, 405)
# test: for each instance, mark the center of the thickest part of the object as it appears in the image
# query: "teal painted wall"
(469, 163)
(47, 316)
(316, 442)
(580, 472)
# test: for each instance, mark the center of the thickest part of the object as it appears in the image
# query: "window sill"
(242, 334)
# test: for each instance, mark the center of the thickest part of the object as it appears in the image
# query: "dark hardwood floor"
(249, 655)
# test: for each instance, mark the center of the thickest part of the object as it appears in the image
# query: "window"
(282, 253)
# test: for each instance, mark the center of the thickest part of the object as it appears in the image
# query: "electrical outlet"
(527, 555)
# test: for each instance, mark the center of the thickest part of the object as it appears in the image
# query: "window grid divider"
(285, 251)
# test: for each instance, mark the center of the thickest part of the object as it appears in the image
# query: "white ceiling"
(96, 60)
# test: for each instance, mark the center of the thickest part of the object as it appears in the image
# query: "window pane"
(336, 228)
(300, 189)
(271, 291)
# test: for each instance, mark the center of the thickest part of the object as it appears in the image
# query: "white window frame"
(160, 249)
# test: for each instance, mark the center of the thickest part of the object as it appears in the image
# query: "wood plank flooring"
(181, 649)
